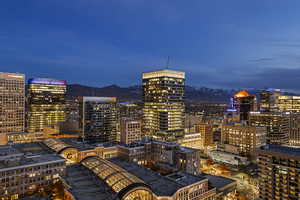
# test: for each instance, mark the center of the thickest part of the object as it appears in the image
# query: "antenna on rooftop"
(168, 61)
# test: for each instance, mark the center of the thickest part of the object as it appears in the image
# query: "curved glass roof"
(116, 177)
(56, 144)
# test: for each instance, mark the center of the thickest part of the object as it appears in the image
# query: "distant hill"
(134, 93)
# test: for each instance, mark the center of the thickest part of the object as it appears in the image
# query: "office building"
(130, 110)
(279, 169)
(294, 137)
(46, 103)
(277, 125)
(98, 118)
(242, 103)
(163, 112)
(268, 100)
(245, 138)
(22, 173)
(206, 131)
(131, 130)
(12, 103)
(288, 103)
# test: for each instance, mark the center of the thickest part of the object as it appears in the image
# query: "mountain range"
(134, 93)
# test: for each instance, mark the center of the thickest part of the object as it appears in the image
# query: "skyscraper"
(163, 112)
(243, 103)
(98, 118)
(46, 103)
(269, 100)
(277, 125)
(12, 103)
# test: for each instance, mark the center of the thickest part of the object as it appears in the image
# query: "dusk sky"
(218, 43)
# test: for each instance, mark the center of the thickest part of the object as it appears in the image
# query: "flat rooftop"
(31, 160)
(281, 149)
(218, 181)
(161, 185)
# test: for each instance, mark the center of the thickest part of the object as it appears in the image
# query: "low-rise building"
(22, 171)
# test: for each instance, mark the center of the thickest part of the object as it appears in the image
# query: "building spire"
(168, 61)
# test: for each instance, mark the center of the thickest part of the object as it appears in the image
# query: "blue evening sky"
(218, 43)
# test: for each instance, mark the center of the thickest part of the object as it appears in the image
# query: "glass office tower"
(12, 103)
(98, 119)
(46, 103)
(163, 112)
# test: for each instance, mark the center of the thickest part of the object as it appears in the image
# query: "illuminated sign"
(46, 81)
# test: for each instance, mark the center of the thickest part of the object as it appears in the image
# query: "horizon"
(230, 44)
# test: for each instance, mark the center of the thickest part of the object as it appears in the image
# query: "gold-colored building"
(288, 103)
(245, 138)
(46, 103)
(206, 131)
(163, 112)
(12, 103)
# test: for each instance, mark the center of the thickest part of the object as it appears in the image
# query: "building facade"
(131, 130)
(163, 112)
(288, 103)
(206, 131)
(277, 125)
(12, 101)
(98, 118)
(243, 103)
(22, 174)
(246, 138)
(46, 103)
(279, 169)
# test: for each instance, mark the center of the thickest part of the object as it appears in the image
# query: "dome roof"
(241, 94)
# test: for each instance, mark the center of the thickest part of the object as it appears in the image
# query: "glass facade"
(46, 103)
(163, 112)
(12, 103)
(99, 118)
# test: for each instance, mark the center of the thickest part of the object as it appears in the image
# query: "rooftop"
(31, 160)
(85, 185)
(282, 149)
(161, 185)
(163, 73)
(242, 93)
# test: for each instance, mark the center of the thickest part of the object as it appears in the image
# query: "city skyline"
(254, 42)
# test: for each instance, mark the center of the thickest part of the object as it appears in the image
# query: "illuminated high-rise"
(163, 112)
(277, 125)
(46, 103)
(12, 103)
(279, 169)
(98, 118)
(243, 102)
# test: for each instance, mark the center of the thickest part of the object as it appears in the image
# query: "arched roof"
(118, 179)
(56, 145)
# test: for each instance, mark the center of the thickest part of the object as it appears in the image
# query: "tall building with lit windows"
(98, 118)
(277, 125)
(46, 103)
(245, 138)
(242, 103)
(288, 103)
(12, 103)
(279, 169)
(163, 112)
